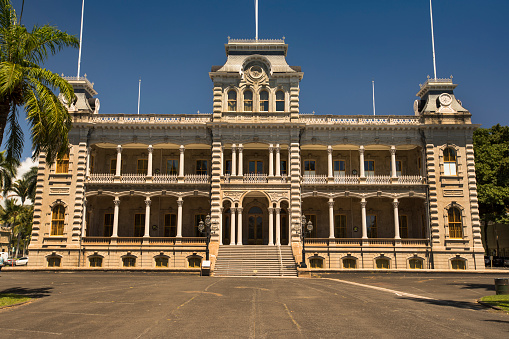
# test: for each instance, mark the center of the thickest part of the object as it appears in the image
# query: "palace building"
(381, 192)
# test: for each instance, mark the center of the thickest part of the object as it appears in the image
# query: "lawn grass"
(8, 299)
(501, 300)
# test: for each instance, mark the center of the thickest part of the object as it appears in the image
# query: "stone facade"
(391, 192)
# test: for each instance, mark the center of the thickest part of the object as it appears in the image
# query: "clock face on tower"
(445, 99)
(256, 72)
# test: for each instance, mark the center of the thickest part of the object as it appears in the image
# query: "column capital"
(329, 149)
(278, 210)
(395, 203)
(363, 203)
(234, 147)
(148, 202)
(116, 201)
(180, 202)
(271, 210)
(277, 148)
(119, 149)
(393, 150)
(150, 149)
(271, 148)
(182, 148)
(331, 203)
(240, 209)
(233, 210)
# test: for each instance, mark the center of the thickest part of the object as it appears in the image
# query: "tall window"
(455, 227)
(339, 167)
(383, 264)
(349, 263)
(372, 226)
(108, 224)
(129, 261)
(369, 168)
(415, 263)
(458, 264)
(54, 262)
(280, 101)
(194, 262)
(161, 262)
(398, 168)
(142, 167)
(63, 164)
(232, 100)
(228, 167)
(170, 225)
(197, 219)
(450, 161)
(309, 167)
(139, 225)
(264, 101)
(172, 166)
(256, 167)
(311, 217)
(316, 262)
(340, 226)
(113, 166)
(248, 101)
(96, 261)
(57, 220)
(201, 167)
(284, 167)
(403, 226)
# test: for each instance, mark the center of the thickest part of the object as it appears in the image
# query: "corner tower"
(256, 79)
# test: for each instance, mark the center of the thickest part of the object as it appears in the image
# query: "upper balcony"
(356, 180)
(105, 178)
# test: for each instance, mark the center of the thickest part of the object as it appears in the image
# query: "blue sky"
(341, 46)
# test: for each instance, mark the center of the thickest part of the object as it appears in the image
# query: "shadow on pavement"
(450, 303)
(30, 292)
(487, 287)
(497, 321)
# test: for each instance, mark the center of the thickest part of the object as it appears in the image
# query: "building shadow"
(466, 305)
(34, 293)
(486, 287)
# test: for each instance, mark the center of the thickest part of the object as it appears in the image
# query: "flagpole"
(432, 39)
(256, 17)
(139, 94)
(373, 83)
(81, 37)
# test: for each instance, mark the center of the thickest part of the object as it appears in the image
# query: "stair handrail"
(280, 260)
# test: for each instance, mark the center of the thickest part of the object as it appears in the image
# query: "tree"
(9, 216)
(31, 178)
(8, 170)
(24, 83)
(20, 188)
(491, 147)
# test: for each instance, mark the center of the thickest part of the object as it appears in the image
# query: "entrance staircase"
(255, 260)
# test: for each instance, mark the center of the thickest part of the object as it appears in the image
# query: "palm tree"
(20, 188)
(8, 170)
(9, 217)
(23, 82)
(31, 178)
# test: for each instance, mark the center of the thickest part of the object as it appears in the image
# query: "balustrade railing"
(346, 179)
(96, 240)
(132, 178)
(354, 120)
(197, 179)
(140, 240)
(100, 178)
(251, 178)
(410, 179)
(370, 242)
(165, 179)
(378, 179)
(314, 179)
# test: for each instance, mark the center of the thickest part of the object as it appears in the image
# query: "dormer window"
(280, 101)
(264, 101)
(450, 161)
(232, 100)
(248, 101)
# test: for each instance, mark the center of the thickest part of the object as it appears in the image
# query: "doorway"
(255, 226)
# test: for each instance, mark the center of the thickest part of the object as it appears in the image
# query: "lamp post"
(204, 227)
(305, 227)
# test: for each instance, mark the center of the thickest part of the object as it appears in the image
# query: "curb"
(490, 306)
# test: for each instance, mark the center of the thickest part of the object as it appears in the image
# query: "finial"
(284, 38)
(85, 75)
(198, 112)
(62, 74)
(451, 76)
(428, 76)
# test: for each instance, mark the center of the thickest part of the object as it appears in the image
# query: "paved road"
(159, 305)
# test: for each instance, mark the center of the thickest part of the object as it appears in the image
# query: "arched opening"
(248, 101)
(264, 101)
(455, 226)
(57, 220)
(232, 101)
(450, 161)
(280, 101)
(255, 226)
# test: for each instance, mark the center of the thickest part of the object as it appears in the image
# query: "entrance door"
(255, 224)
(256, 167)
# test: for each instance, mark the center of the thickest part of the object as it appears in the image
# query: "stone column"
(232, 225)
(393, 162)
(330, 171)
(278, 161)
(241, 161)
(271, 160)
(84, 219)
(278, 226)
(361, 162)
(395, 204)
(116, 202)
(181, 161)
(234, 161)
(87, 172)
(239, 226)
(150, 150)
(180, 202)
(331, 218)
(221, 225)
(148, 202)
(119, 161)
(363, 216)
(271, 226)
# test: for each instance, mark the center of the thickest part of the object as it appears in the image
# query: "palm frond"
(11, 76)
(7, 14)
(14, 145)
(46, 40)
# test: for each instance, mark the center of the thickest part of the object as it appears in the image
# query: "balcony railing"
(165, 179)
(171, 241)
(380, 242)
(410, 179)
(346, 180)
(100, 178)
(197, 179)
(309, 179)
(378, 180)
(255, 178)
(314, 179)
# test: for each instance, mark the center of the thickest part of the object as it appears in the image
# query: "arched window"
(54, 262)
(194, 262)
(449, 161)
(458, 264)
(383, 263)
(129, 261)
(280, 101)
(349, 263)
(232, 101)
(415, 263)
(248, 101)
(63, 164)
(316, 262)
(161, 261)
(57, 220)
(96, 261)
(455, 227)
(264, 101)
